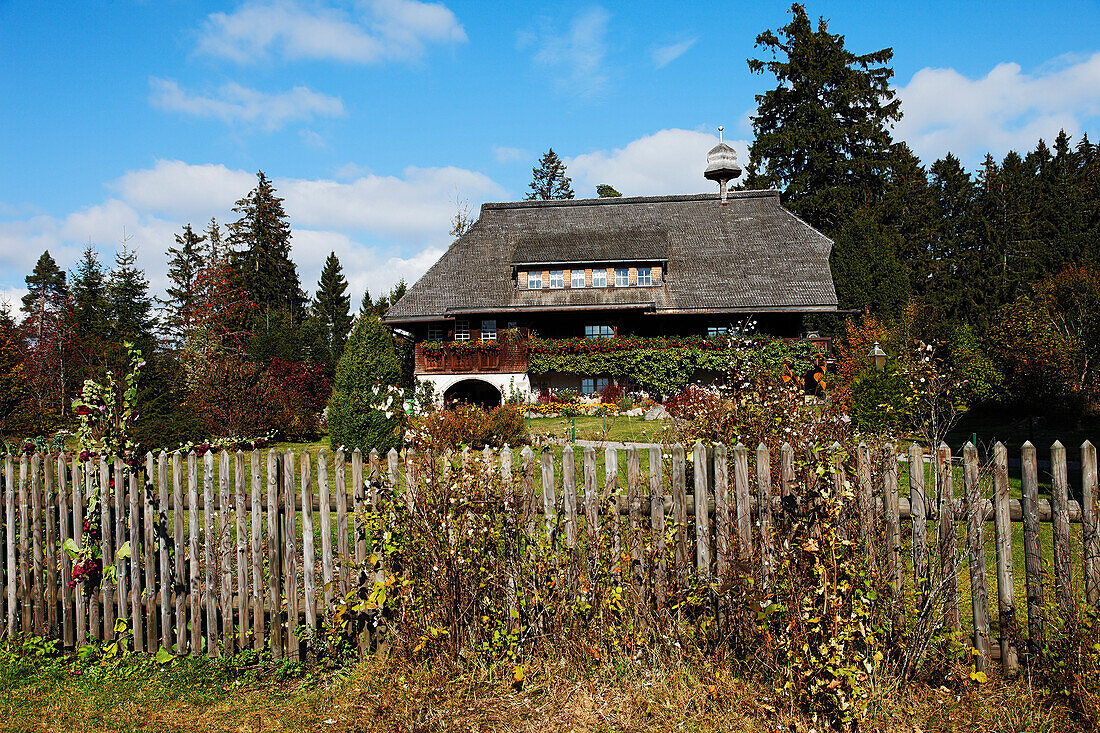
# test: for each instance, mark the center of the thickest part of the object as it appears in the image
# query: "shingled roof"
(749, 255)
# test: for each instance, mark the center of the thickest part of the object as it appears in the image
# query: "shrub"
(237, 398)
(611, 394)
(360, 409)
(470, 425)
(301, 392)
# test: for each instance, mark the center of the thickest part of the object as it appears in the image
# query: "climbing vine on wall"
(664, 366)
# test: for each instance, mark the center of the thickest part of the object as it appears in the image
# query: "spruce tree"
(821, 135)
(261, 242)
(607, 191)
(185, 261)
(332, 308)
(90, 307)
(131, 305)
(46, 310)
(549, 180)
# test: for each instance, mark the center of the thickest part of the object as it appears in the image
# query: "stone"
(657, 412)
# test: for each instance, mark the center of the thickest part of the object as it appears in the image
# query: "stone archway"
(473, 392)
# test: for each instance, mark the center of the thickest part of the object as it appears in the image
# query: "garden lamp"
(878, 356)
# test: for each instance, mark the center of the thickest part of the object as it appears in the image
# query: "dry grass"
(383, 696)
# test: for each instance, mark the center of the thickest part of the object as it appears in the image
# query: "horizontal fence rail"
(215, 553)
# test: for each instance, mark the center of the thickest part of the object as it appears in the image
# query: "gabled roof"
(748, 255)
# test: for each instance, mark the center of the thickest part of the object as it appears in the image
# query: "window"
(593, 386)
(577, 280)
(622, 277)
(435, 333)
(534, 281)
(489, 330)
(645, 276)
(599, 278)
(512, 324)
(556, 280)
(717, 330)
(462, 330)
(598, 332)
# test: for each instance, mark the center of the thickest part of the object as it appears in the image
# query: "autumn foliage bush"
(470, 425)
(301, 390)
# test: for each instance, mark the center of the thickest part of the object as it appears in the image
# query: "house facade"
(691, 265)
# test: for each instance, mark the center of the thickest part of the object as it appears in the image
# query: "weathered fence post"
(225, 554)
(93, 598)
(210, 535)
(341, 490)
(258, 616)
(50, 510)
(949, 544)
(764, 509)
(611, 489)
(918, 508)
(165, 577)
(1002, 526)
(78, 538)
(679, 510)
(308, 554)
(1091, 533)
(721, 512)
(106, 549)
(242, 551)
(786, 469)
(36, 545)
(180, 580)
(290, 557)
(326, 527)
(657, 523)
(890, 505)
(979, 595)
(549, 498)
(634, 532)
(274, 556)
(1059, 490)
(1032, 559)
(193, 551)
(591, 511)
(702, 516)
(744, 507)
(66, 562)
(865, 501)
(569, 497)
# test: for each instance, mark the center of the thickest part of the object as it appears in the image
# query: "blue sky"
(377, 118)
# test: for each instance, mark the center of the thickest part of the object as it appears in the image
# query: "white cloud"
(666, 162)
(371, 32)
(945, 111)
(665, 55)
(382, 227)
(312, 139)
(233, 103)
(577, 56)
(505, 154)
(12, 299)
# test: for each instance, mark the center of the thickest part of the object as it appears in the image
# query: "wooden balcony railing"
(509, 357)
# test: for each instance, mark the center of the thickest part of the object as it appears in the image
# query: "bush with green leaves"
(364, 407)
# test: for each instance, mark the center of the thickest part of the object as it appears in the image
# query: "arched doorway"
(473, 392)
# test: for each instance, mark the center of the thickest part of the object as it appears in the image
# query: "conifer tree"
(549, 180)
(607, 191)
(261, 242)
(90, 307)
(332, 308)
(132, 318)
(45, 290)
(185, 261)
(821, 135)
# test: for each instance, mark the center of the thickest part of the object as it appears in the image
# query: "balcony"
(475, 356)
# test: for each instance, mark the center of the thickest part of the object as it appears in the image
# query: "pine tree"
(185, 260)
(45, 291)
(332, 308)
(821, 135)
(549, 180)
(131, 306)
(607, 191)
(46, 324)
(261, 242)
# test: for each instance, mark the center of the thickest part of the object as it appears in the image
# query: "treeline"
(999, 264)
(235, 348)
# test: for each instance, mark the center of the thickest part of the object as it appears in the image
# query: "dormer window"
(557, 279)
(534, 280)
(599, 278)
(645, 276)
(577, 279)
(622, 277)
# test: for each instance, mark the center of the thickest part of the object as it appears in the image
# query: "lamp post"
(878, 357)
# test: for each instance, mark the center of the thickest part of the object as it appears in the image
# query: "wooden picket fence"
(251, 574)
